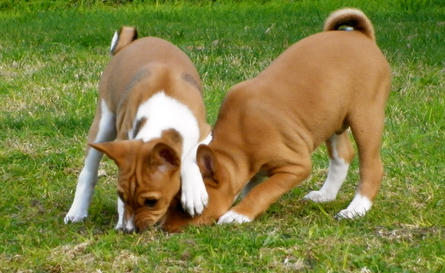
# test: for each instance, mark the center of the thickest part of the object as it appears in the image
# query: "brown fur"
(125, 37)
(319, 87)
(147, 170)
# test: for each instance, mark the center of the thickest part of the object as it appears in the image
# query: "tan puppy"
(150, 98)
(270, 125)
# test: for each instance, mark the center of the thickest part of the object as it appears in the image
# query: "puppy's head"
(149, 178)
(219, 189)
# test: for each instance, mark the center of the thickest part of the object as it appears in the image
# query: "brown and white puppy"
(269, 125)
(151, 101)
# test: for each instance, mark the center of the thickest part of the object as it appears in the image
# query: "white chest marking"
(162, 113)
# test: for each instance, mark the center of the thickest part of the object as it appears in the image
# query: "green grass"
(51, 57)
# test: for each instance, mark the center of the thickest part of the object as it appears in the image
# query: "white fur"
(194, 197)
(338, 169)
(358, 207)
(233, 217)
(88, 176)
(114, 42)
(163, 113)
(120, 211)
(128, 225)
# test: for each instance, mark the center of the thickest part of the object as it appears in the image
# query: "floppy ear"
(165, 157)
(206, 159)
(116, 150)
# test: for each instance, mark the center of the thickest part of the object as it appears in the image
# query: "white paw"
(349, 214)
(119, 226)
(358, 207)
(195, 199)
(75, 216)
(233, 217)
(194, 196)
(128, 227)
(319, 197)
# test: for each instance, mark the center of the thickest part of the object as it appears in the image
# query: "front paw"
(350, 214)
(233, 217)
(119, 226)
(358, 208)
(72, 217)
(318, 197)
(128, 227)
(194, 199)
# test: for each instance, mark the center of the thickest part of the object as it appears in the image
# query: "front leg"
(194, 196)
(259, 199)
(120, 211)
(126, 225)
(102, 129)
(85, 187)
(255, 181)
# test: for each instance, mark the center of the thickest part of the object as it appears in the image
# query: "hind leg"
(367, 130)
(341, 154)
(102, 129)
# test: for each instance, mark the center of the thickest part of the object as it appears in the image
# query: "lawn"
(51, 57)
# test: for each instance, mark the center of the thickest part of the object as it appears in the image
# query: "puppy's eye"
(150, 202)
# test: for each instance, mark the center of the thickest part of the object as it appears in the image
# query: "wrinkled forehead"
(133, 189)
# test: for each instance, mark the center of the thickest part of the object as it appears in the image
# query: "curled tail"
(121, 39)
(349, 17)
